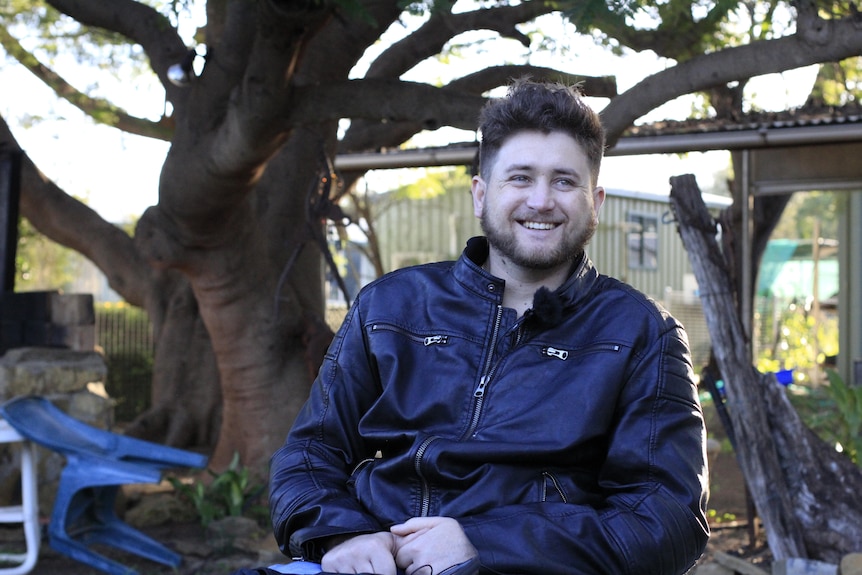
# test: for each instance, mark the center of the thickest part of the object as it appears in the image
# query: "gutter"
(746, 139)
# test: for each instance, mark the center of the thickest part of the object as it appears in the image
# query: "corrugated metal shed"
(413, 231)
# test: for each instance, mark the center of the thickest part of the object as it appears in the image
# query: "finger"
(415, 524)
(383, 566)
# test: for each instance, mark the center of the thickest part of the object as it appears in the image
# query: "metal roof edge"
(741, 139)
(711, 200)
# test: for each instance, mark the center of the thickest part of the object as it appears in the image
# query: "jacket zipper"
(488, 372)
(424, 340)
(554, 352)
(553, 479)
(425, 500)
(478, 394)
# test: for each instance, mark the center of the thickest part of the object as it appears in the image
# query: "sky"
(117, 174)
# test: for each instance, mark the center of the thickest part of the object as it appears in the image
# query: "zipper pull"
(480, 390)
(554, 352)
(435, 339)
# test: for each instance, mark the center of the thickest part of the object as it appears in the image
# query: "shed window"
(642, 241)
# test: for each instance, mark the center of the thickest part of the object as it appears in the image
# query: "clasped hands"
(419, 546)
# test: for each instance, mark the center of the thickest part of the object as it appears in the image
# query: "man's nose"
(540, 196)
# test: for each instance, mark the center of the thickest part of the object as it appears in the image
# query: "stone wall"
(48, 344)
(74, 382)
(47, 318)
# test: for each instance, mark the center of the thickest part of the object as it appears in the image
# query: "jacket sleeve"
(309, 499)
(653, 518)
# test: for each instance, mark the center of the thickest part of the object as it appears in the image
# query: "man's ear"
(477, 190)
(598, 200)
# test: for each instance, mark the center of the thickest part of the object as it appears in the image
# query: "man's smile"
(530, 225)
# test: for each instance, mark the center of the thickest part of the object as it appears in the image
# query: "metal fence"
(688, 310)
(125, 336)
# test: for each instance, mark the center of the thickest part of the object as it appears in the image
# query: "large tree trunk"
(808, 495)
(186, 398)
(259, 328)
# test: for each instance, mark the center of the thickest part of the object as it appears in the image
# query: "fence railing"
(124, 334)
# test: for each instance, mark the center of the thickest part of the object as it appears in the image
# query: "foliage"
(232, 493)
(673, 29)
(41, 264)
(725, 517)
(129, 383)
(57, 34)
(833, 412)
(803, 210)
(422, 6)
(847, 427)
(433, 183)
(801, 343)
(817, 409)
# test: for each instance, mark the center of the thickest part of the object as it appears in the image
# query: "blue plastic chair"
(98, 462)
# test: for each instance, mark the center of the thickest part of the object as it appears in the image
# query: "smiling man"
(514, 411)
(538, 207)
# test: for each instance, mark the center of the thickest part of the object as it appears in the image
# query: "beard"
(544, 258)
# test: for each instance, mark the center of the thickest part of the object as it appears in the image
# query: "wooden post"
(808, 496)
(10, 182)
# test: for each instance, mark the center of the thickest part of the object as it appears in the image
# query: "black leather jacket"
(565, 444)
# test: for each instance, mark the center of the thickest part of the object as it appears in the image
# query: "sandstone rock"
(713, 568)
(738, 565)
(160, 509)
(233, 533)
(851, 564)
(65, 377)
(797, 566)
(44, 370)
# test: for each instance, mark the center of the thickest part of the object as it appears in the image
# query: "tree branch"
(69, 222)
(234, 122)
(678, 36)
(98, 109)
(142, 25)
(431, 37)
(385, 101)
(365, 134)
(495, 76)
(768, 56)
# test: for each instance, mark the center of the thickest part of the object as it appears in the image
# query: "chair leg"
(108, 529)
(26, 514)
(83, 554)
(84, 514)
(89, 518)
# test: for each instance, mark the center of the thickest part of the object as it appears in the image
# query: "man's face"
(539, 208)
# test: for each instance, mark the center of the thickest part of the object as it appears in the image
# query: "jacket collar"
(469, 272)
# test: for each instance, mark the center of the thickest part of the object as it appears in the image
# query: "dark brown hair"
(543, 107)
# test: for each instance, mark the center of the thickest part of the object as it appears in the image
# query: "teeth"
(538, 226)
